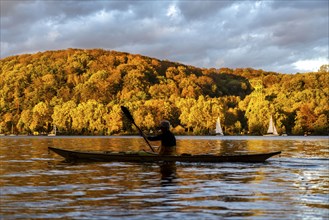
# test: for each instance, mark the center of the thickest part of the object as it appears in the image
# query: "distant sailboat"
(12, 130)
(219, 130)
(271, 131)
(53, 132)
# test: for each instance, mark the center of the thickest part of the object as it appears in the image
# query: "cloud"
(306, 65)
(269, 35)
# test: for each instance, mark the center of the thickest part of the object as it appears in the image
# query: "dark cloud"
(269, 35)
(194, 10)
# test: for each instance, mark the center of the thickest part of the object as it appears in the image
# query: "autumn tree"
(80, 91)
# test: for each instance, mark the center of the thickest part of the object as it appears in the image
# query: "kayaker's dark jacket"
(168, 142)
(166, 137)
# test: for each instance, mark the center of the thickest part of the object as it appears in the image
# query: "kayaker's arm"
(155, 138)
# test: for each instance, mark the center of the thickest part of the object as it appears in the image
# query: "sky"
(285, 36)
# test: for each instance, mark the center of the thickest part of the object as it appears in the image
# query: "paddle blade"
(127, 113)
(130, 117)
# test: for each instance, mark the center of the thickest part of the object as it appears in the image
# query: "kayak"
(142, 156)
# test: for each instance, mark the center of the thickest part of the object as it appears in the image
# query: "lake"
(37, 184)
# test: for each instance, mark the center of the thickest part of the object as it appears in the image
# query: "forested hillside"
(81, 91)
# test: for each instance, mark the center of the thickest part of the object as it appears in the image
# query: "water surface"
(36, 183)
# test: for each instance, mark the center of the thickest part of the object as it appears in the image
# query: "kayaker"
(167, 138)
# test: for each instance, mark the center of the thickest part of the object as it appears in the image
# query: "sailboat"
(12, 130)
(219, 130)
(271, 131)
(53, 132)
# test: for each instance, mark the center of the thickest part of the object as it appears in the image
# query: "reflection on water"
(168, 173)
(36, 183)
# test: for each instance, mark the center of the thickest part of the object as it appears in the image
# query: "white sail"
(219, 130)
(12, 131)
(53, 132)
(271, 128)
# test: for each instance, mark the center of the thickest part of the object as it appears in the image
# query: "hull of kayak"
(149, 157)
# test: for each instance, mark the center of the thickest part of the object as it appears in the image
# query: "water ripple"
(38, 185)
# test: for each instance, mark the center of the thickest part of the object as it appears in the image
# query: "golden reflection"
(229, 147)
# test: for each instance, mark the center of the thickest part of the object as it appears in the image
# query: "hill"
(81, 91)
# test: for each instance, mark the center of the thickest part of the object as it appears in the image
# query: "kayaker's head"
(164, 125)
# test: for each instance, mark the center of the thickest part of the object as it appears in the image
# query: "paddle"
(130, 117)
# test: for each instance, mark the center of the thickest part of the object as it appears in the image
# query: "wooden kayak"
(143, 156)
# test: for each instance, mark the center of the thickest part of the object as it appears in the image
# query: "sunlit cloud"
(312, 65)
(173, 11)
